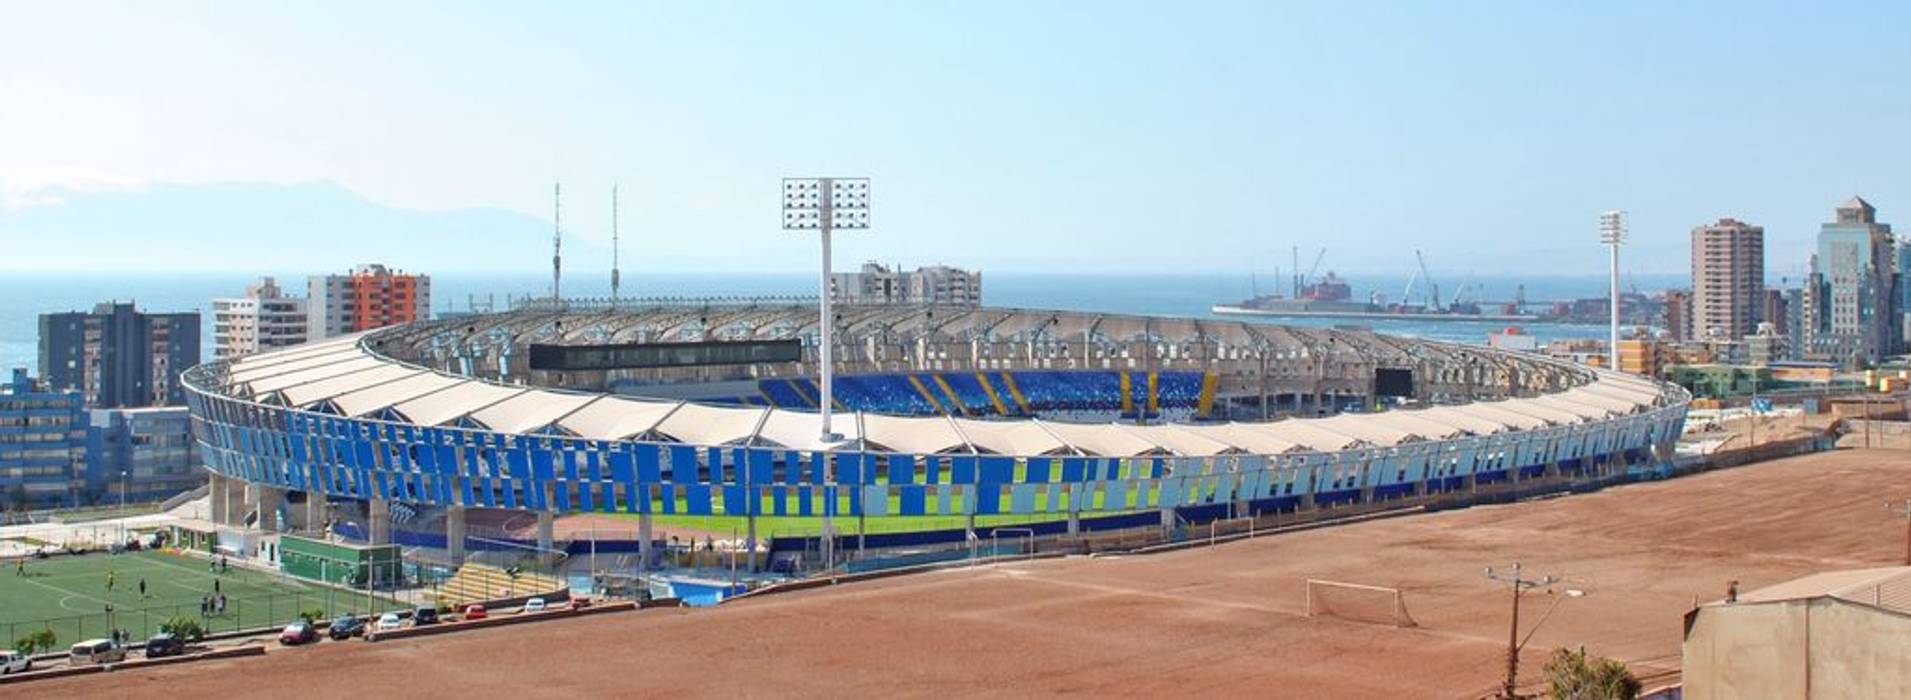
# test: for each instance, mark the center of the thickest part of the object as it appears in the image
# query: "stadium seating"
(476, 582)
(1060, 393)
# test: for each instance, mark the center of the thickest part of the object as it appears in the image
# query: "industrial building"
(1837, 634)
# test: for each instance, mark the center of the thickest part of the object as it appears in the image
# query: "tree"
(41, 639)
(312, 615)
(1575, 675)
(19, 498)
(185, 627)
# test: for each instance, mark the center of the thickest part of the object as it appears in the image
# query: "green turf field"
(68, 595)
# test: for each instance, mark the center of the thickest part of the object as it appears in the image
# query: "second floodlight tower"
(825, 204)
(1612, 232)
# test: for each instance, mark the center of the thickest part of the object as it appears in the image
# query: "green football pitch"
(69, 595)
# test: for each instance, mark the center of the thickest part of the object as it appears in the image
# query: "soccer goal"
(1378, 605)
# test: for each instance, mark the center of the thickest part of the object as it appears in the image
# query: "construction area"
(1224, 620)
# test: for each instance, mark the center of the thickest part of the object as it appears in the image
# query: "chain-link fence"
(252, 612)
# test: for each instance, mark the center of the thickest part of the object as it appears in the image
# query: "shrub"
(185, 627)
(313, 615)
(38, 640)
(1575, 675)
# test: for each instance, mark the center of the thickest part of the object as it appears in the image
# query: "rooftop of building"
(1885, 587)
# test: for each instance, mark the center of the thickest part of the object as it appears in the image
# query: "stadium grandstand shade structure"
(953, 411)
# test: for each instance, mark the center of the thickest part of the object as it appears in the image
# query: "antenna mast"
(557, 241)
(615, 282)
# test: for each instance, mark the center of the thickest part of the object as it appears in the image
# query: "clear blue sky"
(1078, 135)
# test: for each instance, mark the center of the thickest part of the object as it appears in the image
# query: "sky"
(1079, 136)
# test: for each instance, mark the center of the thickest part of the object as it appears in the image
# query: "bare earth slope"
(1224, 621)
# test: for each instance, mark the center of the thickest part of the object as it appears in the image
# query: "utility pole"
(1903, 511)
(1518, 584)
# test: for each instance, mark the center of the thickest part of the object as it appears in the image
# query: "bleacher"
(476, 582)
(1051, 392)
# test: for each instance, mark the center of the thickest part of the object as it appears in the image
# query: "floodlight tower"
(615, 245)
(557, 242)
(1612, 232)
(825, 204)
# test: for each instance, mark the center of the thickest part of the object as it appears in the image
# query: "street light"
(825, 204)
(1612, 232)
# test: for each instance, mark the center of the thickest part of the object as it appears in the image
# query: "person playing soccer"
(112, 577)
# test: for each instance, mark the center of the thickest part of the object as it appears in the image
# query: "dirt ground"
(1225, 621)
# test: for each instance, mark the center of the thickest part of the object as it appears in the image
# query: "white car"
(534, 605)
(389, 621)
(14, 662)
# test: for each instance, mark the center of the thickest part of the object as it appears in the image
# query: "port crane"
(1433, 288)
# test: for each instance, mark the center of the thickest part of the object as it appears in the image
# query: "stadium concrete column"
(643, 541)
(216, 487)
(546, 523)
(454, 533)
(379, 513)
(316, 506)
(268, 500)
(235, 502)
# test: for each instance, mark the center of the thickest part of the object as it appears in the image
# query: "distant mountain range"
(254, 226)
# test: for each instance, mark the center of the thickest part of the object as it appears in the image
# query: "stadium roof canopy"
(347, 376)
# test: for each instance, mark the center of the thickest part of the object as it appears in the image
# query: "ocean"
(23, 297)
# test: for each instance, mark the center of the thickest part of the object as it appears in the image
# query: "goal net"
(1378, 605)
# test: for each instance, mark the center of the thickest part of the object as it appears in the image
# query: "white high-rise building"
(880, 284)
(261, 320)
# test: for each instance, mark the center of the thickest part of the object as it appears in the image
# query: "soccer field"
(69, 595)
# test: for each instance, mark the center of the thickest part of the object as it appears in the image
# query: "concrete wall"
(1817, 648)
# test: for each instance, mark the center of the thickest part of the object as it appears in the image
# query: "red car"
(579, 602)
(297, 633)
(474, 611)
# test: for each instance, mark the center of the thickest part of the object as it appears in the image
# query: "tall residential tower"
(261, 320)
(370, 297)
(1728, 279)
(118, 356)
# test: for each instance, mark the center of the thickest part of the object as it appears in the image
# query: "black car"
(426, 615)
(346, 627)
(164, 644)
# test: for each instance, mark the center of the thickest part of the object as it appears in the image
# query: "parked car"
(579, 602)
(389, 621)
(424, 615)
(164, 644)
(346, 627)
(534, 605)
(14, 662)
(96, 651)
(474, 611)
(297, 633)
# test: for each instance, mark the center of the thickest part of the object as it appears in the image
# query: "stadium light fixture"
(825, 204)
(1612, 232)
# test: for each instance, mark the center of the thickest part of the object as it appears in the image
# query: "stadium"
(951, 417)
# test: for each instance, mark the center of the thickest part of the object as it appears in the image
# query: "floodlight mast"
(824, 205)
(1612, 232)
